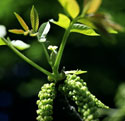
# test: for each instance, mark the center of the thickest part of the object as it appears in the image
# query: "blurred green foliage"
(120, 96)
(29, 89)
(104, 61)
(119, 113)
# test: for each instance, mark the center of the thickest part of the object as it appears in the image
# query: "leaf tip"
(15, 13)
(33, 7)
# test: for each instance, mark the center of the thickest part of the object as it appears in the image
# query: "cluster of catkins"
(75, 89)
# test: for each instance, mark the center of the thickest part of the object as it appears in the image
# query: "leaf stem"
(27, 59)
(62, 46)
(85, 9)
(46, 53)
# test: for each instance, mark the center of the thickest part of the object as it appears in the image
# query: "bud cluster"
(88, 105)
(45, 102)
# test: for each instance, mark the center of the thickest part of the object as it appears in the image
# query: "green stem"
(28, 60)
(62, 46)
(46, 53)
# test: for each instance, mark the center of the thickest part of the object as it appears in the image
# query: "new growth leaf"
(17, 31)
(34, 19)
(21, 21)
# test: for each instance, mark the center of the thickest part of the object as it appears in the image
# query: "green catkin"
(45, 102)
(76, 89)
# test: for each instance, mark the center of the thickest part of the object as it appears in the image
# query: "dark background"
(20, 82)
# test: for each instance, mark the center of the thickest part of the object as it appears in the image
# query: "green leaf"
(2, 42)
(83, 29)
(43, 31)
(21, 21)
(87, 31)
(63, 21)
(20, 45)
(86, 22)
(76, 72)
(71, 7)
(34, 19)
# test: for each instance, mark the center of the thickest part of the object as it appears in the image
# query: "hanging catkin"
(76, 89)
(45, 102)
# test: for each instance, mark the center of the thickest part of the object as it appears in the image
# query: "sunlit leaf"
(92, 6)
(83, 29)
(34, 19)
(2, 31)
(71, 7)
(20, 44)
(16, 31)
(79, 26)
(43, 31)
(2, 42)
(63, 21)
(22, 22)
(86, 22)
